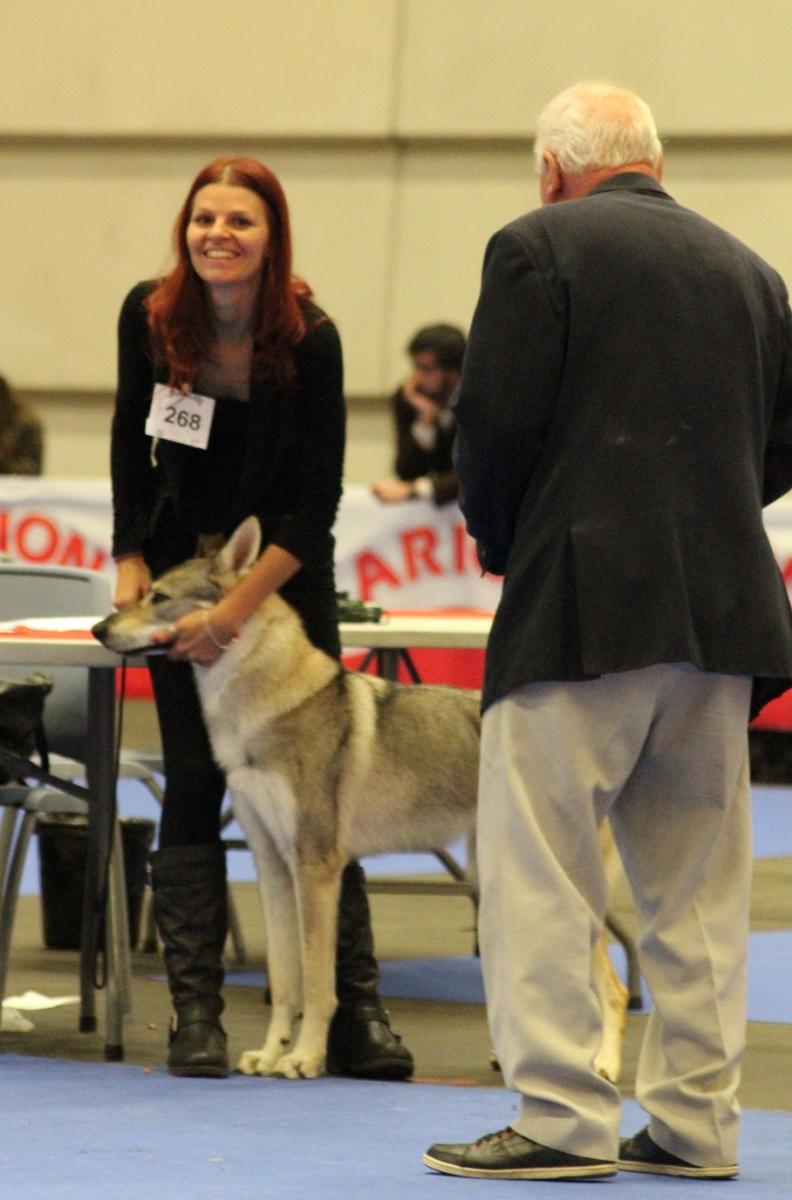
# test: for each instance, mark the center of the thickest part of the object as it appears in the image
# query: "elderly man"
(625, 410)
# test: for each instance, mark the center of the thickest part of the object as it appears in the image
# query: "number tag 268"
(176, 417)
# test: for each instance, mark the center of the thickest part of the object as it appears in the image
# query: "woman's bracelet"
(213, 639)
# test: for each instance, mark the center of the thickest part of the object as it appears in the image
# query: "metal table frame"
(26, 651)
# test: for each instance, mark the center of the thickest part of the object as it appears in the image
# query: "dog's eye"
(158, 597)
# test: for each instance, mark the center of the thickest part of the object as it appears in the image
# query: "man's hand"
(425, 409)
(392, 491)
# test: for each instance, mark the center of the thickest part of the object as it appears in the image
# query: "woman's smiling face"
(228, 235)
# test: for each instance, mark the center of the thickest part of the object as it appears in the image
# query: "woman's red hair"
(178, 312)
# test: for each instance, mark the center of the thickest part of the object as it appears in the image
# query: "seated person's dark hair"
(446, 342)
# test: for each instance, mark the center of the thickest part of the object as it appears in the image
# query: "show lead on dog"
(230, 403)
(625, 411)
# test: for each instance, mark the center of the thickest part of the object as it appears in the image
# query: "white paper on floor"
(35, 1001)
(11, 1019)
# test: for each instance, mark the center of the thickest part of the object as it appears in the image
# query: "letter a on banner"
(372, 571)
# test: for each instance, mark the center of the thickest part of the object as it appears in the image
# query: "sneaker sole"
(590, 1171)
(680, 1171)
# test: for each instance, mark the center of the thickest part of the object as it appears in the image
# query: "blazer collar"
(631, 181)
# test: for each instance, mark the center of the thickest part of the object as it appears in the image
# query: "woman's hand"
(132, 581)
(201, 637)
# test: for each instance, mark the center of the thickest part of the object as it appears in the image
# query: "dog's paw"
(298, 1064)
(258, 1062)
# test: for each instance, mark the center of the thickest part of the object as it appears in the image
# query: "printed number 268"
(184, 420)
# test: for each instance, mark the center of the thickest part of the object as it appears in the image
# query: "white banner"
(410, 555)
(67, 522)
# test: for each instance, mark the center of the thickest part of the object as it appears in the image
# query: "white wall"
(706, 66)
(172, 67)
(400, 129)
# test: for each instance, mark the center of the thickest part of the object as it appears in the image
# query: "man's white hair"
(597, 124)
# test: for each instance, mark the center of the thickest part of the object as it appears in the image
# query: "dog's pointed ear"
(242, 548)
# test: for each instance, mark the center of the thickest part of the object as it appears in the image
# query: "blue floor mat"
(77, 1129)
(770, 976)
(772, 819)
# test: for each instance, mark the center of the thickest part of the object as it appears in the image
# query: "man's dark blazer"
(625, 411)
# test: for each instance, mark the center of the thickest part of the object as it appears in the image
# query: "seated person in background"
(425, 424)
(21, 441)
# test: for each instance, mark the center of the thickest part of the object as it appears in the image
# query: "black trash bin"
(63, 848)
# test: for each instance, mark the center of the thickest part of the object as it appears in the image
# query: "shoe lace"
(499, 1136)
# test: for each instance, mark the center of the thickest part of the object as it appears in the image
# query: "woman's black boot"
(189, 885)
(361, 1042)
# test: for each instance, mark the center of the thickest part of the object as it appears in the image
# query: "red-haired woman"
(232, 323)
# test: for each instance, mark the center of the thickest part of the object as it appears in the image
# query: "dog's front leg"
(279, 903)
(318, 890)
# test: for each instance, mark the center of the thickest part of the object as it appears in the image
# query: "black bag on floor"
(21, 710)
(63, 851)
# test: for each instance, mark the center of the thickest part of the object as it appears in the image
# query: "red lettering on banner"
(465, 555)
(460, 546)
(372, 570)
(75, 552)
(418, 546)
(427, 552)
(38, 539)
(99, 561)
(27, 540)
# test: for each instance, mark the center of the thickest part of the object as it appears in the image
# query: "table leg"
(99, 763)
(118, 998)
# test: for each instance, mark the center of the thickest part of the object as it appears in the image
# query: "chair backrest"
(30, 590)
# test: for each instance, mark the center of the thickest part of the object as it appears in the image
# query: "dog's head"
(197, 583)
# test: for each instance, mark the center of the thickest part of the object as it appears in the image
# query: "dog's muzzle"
(103, 632)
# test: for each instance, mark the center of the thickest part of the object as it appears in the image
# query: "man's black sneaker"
(509, 1155)
(640, 1153)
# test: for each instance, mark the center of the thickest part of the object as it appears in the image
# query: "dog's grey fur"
(323, 765)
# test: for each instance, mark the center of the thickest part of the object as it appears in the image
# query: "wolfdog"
(323, 765)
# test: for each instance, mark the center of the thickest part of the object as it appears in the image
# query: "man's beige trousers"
(663, 753)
